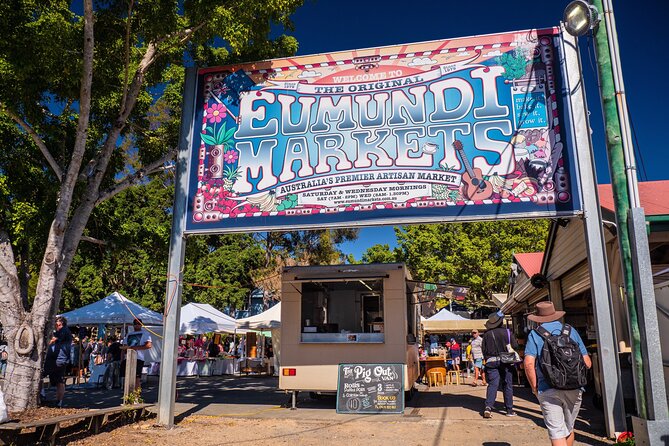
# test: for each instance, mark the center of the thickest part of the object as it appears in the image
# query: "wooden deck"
(47, 430)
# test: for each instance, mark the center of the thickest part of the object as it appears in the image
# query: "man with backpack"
(556, 363)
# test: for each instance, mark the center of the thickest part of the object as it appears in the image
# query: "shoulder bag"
(507, 357)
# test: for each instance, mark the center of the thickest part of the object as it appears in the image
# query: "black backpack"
(561, 360)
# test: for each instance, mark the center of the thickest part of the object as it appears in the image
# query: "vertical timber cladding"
(461, 129)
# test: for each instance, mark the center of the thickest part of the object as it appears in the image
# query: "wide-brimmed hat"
(545, 312)
(494, 320)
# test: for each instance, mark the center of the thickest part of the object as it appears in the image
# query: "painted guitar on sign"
(475, 186)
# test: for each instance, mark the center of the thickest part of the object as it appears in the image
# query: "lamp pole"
(632, 237)
(621, 172)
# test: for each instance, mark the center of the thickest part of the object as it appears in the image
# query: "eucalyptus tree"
(77, 86)
(477, 255)
(379, 253)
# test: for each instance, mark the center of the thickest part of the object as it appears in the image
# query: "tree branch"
(36, 139)
(88, 239)
(127, 52)
(136, 177)
(55, 264)
(99, 166)
(84, 108)
(184, 35)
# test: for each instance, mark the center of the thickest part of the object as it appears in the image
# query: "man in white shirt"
(477, 357)
(138, 340)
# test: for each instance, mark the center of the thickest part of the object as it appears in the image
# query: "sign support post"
(652, 421)
(612, 394)
(168, 364)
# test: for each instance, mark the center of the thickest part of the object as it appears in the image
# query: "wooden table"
(429, 363)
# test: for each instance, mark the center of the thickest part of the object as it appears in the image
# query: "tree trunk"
(26, 331)
(24, 373)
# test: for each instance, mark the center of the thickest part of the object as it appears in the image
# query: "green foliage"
(41, 60)
(378, 254)
(316, 247)
(476, 255)
(135, 228)
(224, 266)
(134, 397)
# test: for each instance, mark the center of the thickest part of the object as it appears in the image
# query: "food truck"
(346, 314)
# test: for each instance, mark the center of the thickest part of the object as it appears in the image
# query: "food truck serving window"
(343, 311)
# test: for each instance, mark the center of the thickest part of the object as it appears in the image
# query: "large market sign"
(439, 131)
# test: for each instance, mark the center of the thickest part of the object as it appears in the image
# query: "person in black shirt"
(57, 358)
(112, 374)
(113, 349)
(495, 341)
(213, 349)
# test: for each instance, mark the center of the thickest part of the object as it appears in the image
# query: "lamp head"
(580, 17)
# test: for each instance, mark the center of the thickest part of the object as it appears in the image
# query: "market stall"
(447, 322)
(197, 319)
(113, 310)
(202, 366)
(267, 320)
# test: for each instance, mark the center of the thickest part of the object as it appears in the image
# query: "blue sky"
(332, 25)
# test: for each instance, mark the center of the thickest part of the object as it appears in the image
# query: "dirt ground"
(207, 430)
(212, 430)
(438, 416)
(250, 410)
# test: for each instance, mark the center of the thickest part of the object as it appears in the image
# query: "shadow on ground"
(196, 395)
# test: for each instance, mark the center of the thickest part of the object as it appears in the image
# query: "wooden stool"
(434, 377)
(456, 374)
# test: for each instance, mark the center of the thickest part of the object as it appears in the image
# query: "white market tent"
(203, 318)
(113, 309)
(445, 315)
(447, 322)
(267, 320)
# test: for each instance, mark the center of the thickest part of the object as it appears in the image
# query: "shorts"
(560, 409)
(456, 360)
(478, 363)
(56, 376)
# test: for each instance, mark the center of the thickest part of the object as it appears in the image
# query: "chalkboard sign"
(370, 388)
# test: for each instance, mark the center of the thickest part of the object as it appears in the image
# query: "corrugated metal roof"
(530, 262)
(653, 195)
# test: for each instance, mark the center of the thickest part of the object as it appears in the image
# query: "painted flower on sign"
(230, 156)
(216, 113)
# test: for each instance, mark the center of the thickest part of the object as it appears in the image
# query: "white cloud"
(308, 74)
(494, 53)
(463, 53)
(419, 61)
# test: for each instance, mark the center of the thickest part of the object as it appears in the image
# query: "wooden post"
(130, 372)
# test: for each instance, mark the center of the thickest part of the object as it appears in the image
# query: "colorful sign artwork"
(438, 131)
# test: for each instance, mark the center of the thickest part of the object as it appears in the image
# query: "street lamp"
(580, 17)
(653, 421)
